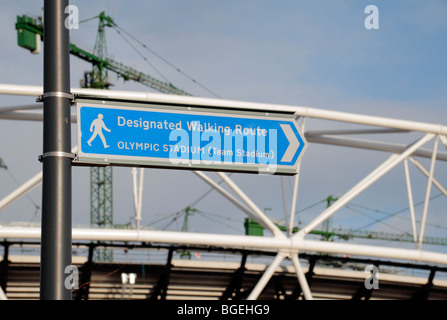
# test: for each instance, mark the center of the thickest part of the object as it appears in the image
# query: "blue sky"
(315, 53)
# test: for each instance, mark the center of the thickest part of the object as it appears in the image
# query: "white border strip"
(233, 241)
(303, 111)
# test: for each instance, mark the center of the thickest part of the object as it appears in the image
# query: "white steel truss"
(287, 245)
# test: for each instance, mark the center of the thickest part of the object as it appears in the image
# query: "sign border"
(93, 159)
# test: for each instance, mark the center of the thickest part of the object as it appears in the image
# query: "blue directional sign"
(185, 137)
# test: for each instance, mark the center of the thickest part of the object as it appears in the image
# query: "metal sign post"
(56, 158)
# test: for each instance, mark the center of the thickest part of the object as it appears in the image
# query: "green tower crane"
(29, 35)
(101, 178)
(327, 224)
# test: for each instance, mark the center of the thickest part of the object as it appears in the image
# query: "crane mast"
(30, 33)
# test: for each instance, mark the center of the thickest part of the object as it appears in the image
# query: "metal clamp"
(57, 154)
(56, 94)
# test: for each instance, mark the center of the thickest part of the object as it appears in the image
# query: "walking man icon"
(98, 125)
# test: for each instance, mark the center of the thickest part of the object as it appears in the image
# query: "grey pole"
(56, 157)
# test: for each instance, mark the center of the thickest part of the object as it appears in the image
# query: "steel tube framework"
(410, 200)
(271, 226)
(231, 198)
(299, 111)
(233, 241)
(254, 294)
(22, 190)
(425, 172)
(285, 245)
(427, 193)
(301, 277)
(25, 188)
(390, 163)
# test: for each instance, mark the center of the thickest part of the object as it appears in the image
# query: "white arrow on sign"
(293, 143)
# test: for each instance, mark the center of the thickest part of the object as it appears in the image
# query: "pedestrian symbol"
(98, 125)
